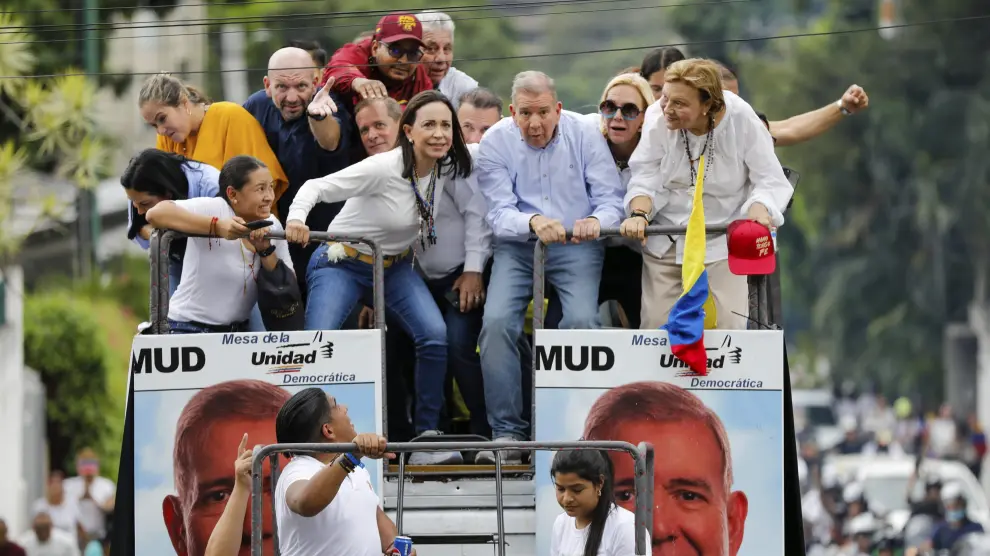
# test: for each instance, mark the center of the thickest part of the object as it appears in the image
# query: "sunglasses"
(397, 51)
(609, 110)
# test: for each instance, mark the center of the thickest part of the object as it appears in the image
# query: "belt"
(241, 326)
(353, 253)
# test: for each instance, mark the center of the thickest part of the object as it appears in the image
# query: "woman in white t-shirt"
(220, 272)
(742, 179)
(592, 524)
(324, 503)
(391, 199)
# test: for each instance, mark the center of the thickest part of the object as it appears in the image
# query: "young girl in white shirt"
(391, 199)
(592, 524)
(220, 272)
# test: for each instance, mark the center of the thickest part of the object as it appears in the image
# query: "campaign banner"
(196, 395)
(718, 439)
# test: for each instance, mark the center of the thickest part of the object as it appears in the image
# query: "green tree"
(56, 128)
(63, 341)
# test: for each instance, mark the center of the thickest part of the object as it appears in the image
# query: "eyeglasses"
(412, 53)
(609, 110)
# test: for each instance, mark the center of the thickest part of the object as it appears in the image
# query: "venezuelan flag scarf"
(694, 311)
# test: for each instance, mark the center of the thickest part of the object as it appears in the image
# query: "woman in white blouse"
(592, 524)
(743, 179)
(391, 199)
(220, 272)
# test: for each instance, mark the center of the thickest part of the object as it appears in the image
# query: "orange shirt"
(229, 130)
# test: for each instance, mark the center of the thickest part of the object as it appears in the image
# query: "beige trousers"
(662, 286)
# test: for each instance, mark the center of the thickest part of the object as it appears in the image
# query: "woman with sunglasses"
(386, 64)
(620, 119)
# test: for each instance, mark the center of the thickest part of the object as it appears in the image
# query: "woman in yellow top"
(210, 132)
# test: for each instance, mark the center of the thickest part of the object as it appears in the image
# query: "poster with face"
(718, 438)
(196, 396)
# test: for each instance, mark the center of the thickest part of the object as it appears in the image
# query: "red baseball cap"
(751, 249)
(399, 27)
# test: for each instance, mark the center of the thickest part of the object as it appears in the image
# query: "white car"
(813, 410)
(885, 483)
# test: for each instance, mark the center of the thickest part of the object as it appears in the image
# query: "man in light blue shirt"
(543, 171)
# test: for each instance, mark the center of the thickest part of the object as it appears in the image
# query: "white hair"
(533, 82)
(436, 22)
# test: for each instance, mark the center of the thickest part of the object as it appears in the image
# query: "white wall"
(13, 487)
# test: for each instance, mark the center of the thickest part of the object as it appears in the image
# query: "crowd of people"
(73, 518)
(388, 142)
(848, 513)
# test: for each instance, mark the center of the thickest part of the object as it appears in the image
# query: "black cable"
(65, 27)
(364, 26)
(556, 54)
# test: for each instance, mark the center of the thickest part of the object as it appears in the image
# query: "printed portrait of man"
(207, 436)
(695, 512)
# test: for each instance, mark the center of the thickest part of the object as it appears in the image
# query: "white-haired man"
(438, 36)
(542, 171)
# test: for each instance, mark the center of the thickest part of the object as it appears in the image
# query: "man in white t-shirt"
(45, 540)
(324, 503)
(94, 494)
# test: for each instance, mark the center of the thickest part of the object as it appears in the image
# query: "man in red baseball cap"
(752, 249)
(383, 65)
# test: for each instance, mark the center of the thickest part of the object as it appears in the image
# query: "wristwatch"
(264, 253)
(842, 108)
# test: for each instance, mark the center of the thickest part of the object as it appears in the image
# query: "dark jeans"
(181, 327)
(622, 281)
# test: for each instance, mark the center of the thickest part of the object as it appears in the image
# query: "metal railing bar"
(642, 455)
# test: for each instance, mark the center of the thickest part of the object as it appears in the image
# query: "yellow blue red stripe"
(694, 310)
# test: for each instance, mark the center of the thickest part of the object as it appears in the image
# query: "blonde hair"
(169, 91)
(704, 75)
(635, 81)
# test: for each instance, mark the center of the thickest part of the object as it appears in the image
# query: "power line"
(363, 26)
(63, 27)
(558, 54)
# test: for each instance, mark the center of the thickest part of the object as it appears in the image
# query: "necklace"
(425, 205)
(704, 149)
(248, 266)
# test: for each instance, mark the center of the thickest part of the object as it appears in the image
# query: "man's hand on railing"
(547, 229)
(634, 227)
(297, 232)
(586, 229)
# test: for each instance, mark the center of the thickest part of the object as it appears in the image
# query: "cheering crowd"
(387, 142)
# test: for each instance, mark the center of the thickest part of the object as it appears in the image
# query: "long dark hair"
(235, 173)
(302, 417)
(594, 466)
(458, 159)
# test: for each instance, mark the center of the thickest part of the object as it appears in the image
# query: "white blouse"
(381, 204)
(618, 538)
(741, 168)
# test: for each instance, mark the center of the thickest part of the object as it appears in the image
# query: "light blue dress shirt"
(573, 177)
(204, 181)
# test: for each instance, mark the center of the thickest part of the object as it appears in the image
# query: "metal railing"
(643, 482)
(161, 241)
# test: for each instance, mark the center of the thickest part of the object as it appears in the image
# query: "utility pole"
(87, 213)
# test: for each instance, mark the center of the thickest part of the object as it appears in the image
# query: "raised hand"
(322, 105)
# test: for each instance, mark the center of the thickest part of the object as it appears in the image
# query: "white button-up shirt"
(463, 235)
(741, 168)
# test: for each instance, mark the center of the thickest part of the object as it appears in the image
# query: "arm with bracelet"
(310, 497)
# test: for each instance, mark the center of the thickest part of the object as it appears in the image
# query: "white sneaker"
(509, 457)
(435, 458)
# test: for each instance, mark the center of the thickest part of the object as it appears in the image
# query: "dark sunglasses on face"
(397, 51)
(609, 109)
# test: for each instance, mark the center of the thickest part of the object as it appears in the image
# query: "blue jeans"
(463, 330)
(575, 271)
(334, 289)
(182, 327)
